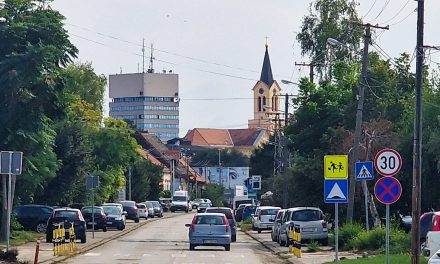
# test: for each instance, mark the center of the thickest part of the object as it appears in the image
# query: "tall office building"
(148, 100)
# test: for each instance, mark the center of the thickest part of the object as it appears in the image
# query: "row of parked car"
(43, 219)
(310, 219)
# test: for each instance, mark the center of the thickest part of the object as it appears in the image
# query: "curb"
(96, 244)
(289, 260)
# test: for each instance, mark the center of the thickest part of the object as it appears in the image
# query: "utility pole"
(311, 66)
(360, 107)
(417, 150)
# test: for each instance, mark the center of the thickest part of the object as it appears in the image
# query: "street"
(166, 241)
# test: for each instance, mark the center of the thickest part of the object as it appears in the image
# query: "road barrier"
(295, 240)
(61, 243)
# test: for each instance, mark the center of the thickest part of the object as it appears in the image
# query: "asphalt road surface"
(166, 241)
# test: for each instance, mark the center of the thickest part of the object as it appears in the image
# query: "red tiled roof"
(244, 137)
(223, 137)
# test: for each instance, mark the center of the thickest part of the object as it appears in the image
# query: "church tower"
(266, 93)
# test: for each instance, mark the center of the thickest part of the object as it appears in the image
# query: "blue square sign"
(364, 170)
(336, 191)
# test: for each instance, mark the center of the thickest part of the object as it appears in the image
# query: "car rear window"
(128, 204)
(210, 220)
(307, 215)
(65, 214)
(269, 211)
(112, 210)
(88, 210)
(227, 212)
(156, 204)
(142, 206)
(204, 204)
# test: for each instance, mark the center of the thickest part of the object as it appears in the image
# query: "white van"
(180, 202)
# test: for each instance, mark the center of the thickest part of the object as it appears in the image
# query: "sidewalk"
(323, 256)
(26, 252)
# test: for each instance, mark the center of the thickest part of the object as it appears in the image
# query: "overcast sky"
(217, 46)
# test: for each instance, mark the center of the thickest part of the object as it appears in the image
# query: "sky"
(217, 46)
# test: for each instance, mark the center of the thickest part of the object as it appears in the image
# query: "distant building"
(148, 100)
(266, 93)
(244, 140)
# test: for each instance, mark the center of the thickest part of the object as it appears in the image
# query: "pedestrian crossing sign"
(335, 167)
(335, 191)
(364, 170)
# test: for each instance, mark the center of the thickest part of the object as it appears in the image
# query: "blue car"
(209, 229)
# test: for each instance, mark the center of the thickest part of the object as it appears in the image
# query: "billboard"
(229, 177)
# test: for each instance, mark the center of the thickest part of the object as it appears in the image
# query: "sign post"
(11, 165)
(364, 171)
(336, 187)
(387, 189)
(92, 182)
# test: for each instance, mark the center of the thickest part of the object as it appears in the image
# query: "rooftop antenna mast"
(150, 68)
(143, 55)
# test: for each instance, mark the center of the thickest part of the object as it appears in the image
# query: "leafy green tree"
(146, 178)
(210, 157)
(214, 192)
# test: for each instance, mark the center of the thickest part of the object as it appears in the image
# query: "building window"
(143, 99)
(259, 103)
(264, 103)
(273, 103)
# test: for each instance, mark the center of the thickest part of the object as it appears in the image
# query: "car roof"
(66, 209)
(223, 208)
(219, 214)
(97, 207)
(304, 208)
(268, 207)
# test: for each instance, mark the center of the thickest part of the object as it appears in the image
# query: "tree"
(214, 192)
(146, 178)
(210, 157)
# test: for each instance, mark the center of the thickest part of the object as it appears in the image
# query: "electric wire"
(383, 8)
(369, 10)
(405, 18)
(398, 13)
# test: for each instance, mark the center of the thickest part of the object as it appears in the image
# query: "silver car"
(277, 224)
(311, 221)
(209, 229)
(264, 218)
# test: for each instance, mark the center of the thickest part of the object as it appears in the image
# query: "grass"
(313, 246)
(400, 259)
(22, 237)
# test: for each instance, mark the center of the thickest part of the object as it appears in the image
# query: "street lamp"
(289, 82)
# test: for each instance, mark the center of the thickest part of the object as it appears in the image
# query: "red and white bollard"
(37, 250)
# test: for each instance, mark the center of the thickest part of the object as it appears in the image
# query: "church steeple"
(266, 72)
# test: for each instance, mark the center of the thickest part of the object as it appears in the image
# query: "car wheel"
(280, 241)
(234, 238)
(48, 239)
(272, 237)
(104, 229)
(259, 230)
(192, 246)
(83, 239)
(228, 247)
(324, 242)
(186, 211)
(121, 227)
(136, 220)
(41, 228)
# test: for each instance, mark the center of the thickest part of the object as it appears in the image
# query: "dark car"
(239, 212)
(33, 216)
(114, 217)
(229, 215)
(67, 216)
(98, 219)
(158, 210)
(131, 209)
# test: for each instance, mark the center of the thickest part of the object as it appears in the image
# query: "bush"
(313, 246)
(347, 233)
(369, 240)
(400, 241)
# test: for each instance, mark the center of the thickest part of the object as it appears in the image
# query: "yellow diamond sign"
(336, 167)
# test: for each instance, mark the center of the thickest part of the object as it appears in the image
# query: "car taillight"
(228, 227)
(193, 224)
(436, 224)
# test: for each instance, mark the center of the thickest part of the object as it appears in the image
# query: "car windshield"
(111, 210)
(307, 215)
(204, 205)
(227, 212)
(142, 206)
(128, 203)
(179, 198)
(210, 220)
(198, 200)
(88, 210)
(149, 205)
(156, 204)
(269, 211)
(66, 214)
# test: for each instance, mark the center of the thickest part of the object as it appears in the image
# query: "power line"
(400, 21)
(369, 10)
(383, 8)
(400, 11)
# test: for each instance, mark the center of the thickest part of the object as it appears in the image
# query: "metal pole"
(129, 183)
(417, 151)
(357, 132)
(336, 232)
(9, 203)
(387, 236)
(93, 210)
(367, 224)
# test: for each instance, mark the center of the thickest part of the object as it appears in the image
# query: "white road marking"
(147, 255)
(92, 254)
(178, 255)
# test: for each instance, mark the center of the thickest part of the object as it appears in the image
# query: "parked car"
(33, 217)
(248, 211)
(202, 207)
(209, 229)
(131, 209)
(98, 219)
(429, 221)
(435, 259)
(311, 221)
(114, 217)
(239, 212)
(115, 204)
(264, 218)
(150, 209)
(277, 224)
(158, 210)
(67, 216)
(229, 215)
(143, 210)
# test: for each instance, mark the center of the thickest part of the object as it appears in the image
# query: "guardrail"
(295, 240)
(61, 243)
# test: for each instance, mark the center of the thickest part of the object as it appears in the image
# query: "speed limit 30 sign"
(387, 162)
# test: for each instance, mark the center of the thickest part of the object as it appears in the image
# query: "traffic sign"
(388, 162)
(364, 170)
(335, 167)
(387, 190)
(336, 191)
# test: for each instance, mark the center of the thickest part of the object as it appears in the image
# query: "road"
(166, 241)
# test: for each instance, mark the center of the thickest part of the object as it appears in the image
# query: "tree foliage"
(212, 157)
